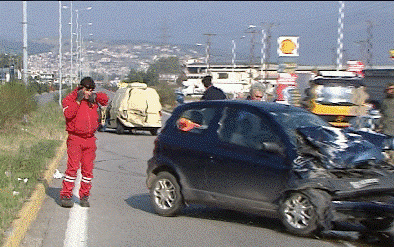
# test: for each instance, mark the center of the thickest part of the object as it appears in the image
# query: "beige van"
(135, 106)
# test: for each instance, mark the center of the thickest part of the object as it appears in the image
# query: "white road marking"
(77, 224)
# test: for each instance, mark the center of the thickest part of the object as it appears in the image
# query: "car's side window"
(195, 120)
(244, 128)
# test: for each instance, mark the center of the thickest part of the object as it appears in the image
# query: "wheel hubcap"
(164, 194)
(298, 211)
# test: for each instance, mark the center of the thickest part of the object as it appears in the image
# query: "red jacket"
(82, 119)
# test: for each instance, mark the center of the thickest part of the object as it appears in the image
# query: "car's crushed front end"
(350, 166)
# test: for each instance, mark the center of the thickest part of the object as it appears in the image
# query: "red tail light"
(155, 145)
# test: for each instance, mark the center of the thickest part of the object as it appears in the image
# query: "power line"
(164, 33)
(252, 43)
(267, 46)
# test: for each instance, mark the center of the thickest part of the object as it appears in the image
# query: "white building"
(230, 79)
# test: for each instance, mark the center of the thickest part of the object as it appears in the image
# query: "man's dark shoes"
(84, 202)
(66, 202)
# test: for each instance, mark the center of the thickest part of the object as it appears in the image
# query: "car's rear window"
(195, 120)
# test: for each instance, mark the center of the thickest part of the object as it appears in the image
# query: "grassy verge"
(27, 148)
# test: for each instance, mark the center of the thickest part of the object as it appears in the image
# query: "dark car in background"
(273, 160)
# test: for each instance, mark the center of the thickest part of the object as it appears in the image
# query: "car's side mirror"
(273, 147)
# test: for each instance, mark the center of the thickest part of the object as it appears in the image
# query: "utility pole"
(164, 34)
(361, 43)
(24, 24)
(252, 44)
(369, 44)
(208, 49)
(340, 35)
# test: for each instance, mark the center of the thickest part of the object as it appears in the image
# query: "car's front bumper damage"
(364, 209)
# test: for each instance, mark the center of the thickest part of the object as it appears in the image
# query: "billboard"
(288, 46)
(356, 66)
(285, 83)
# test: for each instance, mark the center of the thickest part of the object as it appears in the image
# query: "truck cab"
(337, 96)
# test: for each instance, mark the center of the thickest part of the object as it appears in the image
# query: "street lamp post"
(233, 51)
(82, 49)
(71, 44)
(24, 22)
(79, 40)
(60, 53)
(208, 49)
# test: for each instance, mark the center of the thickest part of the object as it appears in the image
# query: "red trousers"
(81, 153)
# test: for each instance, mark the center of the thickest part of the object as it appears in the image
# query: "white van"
(135, 106)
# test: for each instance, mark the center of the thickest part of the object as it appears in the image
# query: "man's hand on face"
(80, 95)
(84, 93)
(92, 98)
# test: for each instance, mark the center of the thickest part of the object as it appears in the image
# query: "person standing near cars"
(387, 112)
(256, 92)
(80, 109)
(211, 92)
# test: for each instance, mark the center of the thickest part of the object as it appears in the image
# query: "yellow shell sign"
(288, 46)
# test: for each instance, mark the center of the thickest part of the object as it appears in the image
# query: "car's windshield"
(290, 121)
(334, 95)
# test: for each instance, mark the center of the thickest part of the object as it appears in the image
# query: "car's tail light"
(155, 145)
(160, 113)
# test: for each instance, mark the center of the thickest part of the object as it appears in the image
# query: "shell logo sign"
(392, 54)
(288, 46)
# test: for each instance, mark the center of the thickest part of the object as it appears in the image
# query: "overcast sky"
(186, 22)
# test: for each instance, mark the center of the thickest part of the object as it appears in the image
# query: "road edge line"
(29, 211)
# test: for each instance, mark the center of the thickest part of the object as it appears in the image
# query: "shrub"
(15, 101)
(36, 87)
(65, 92)
(167, 94)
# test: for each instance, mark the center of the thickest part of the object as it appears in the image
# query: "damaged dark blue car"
(273, 160)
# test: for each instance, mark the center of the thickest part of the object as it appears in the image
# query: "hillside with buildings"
(107, 60)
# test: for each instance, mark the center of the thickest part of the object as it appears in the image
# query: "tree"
(152, 76)
(169, 65)
(135, 76)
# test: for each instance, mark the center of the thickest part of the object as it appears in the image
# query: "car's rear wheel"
(306, 212)
(153, 131)
(119, 128)
(165, 195)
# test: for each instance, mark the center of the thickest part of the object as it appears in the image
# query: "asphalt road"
(121, 214)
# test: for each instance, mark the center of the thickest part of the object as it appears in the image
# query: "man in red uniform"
(80, 110)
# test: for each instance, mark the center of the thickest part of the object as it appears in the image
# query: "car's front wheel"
(165, 195)
(306, 212)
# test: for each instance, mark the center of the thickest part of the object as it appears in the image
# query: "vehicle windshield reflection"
(334, 95)
(291, 121)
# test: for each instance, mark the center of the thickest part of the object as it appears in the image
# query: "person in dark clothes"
(387, 119)
(211, 92)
